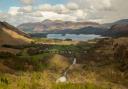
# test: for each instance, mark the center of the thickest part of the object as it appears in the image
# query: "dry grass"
(46, 80)
(11, 37)
(16, 35)
(59, 62)
(54, 42)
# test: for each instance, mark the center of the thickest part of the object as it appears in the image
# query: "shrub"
(6, 55)
(4, 80)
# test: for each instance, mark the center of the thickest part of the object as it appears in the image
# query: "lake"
(74, 37)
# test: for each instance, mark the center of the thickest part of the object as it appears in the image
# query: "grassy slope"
(98, 68)
(54, 42)
(10, 37)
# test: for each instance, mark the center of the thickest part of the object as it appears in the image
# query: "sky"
(17, 12)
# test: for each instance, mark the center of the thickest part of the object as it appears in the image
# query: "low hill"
(122, 22)
(118, 22)
(12, 36)
(118, 30)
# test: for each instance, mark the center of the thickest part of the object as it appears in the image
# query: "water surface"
(74, 37)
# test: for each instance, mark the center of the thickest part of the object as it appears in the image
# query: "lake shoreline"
(73, 37)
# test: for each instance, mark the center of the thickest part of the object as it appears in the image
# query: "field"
(39, 65)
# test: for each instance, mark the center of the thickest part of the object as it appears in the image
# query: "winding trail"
(63, 78)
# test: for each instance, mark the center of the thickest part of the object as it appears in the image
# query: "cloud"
(27, 2)
(60, 11)
(72, 6)
(3, 16)
(36, 14)
(104, 10)
(13, 10)
(19, 18)
(26, 9)
(74, 10)
(59, 8)
(93, 4)
(29, 13)
(45, 7)
(56, 16)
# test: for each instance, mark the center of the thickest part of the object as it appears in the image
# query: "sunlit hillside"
(10, 35)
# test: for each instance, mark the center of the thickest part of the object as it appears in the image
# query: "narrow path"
(64, 77)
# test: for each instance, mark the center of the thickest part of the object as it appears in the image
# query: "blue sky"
(6, 4)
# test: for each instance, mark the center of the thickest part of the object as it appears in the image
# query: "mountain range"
(49, 25)
(115, 29)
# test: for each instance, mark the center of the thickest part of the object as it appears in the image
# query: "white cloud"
(13, 10)
(72, 6)
(18, 15)
(19, 19)
(80, 13)
(97, 4)
(26, 9)
(36, 14)
(74, 10)
(105, 10)
(56, 16)
(3, 16)
(45, 7)
(60, 8)
(28, 2)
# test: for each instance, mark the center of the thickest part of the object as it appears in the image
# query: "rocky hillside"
(12, 36)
